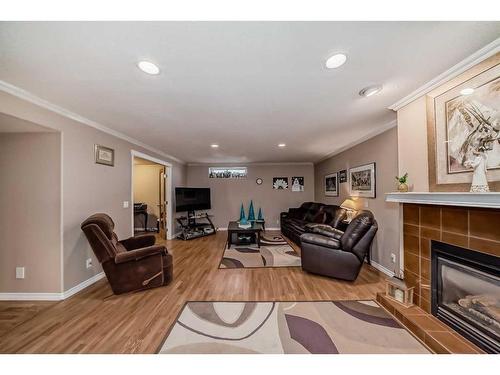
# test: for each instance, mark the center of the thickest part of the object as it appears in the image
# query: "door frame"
(168, 188)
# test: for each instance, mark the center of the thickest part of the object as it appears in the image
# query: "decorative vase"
(242, 214)
(403, 187)
(260, 216)
(251, 213)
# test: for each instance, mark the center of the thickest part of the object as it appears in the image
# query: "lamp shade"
(348, 204)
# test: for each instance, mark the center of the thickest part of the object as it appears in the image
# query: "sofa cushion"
(317, 239)
(312, 211)
(334, 215)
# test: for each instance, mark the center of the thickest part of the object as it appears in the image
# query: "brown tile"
(435, 345)
(418, 331)
(455, 239)
(411, 214)
(428, 323)
(430, 216)
(412, 279)
(385, 303)
(411, 229)
(431, 234)
(425, 248)
(449, 342)
(455, 219)
(416, 298)
(485, 223)
(425, 304)
(490, 247)
(410, 244)
(425, 268)
(412, 262)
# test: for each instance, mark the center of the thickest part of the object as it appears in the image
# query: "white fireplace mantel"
(487, 200)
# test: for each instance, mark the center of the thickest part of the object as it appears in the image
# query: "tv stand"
(191, 228)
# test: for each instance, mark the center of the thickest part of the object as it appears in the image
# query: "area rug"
(324, 327)
(273, 252)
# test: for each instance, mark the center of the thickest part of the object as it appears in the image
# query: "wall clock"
(258, 181)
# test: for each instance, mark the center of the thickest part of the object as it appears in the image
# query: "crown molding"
(378, 131)
(29, 97)
(478, 56)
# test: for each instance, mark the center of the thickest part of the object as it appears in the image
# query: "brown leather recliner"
(132, 264)
(330, 252)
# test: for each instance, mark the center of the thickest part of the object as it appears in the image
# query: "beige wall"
(412, 144)
(87, 187)
(382, 150)
(30, 202)
(228, 194)
(146, 186)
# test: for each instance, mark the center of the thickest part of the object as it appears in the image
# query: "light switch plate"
(125, 204)
(19, 272)
(88, 263)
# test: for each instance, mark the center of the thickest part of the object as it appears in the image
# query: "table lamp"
(350, 206)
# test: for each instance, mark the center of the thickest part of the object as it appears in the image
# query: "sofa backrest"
(334, 215)
(312, 210)
(359, 234)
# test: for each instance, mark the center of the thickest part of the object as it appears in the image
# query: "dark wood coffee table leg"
(258, 239)
(229, 236)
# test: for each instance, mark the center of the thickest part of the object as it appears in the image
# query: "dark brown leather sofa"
(330, 252)
(132, 264)
(293, 223)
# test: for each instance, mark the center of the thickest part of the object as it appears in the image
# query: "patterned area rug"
(324, 327)
(273, 252)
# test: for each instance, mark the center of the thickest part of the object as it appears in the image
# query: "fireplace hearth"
(466, 293)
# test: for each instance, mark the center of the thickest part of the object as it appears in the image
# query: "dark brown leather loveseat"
(330, 252)
(132, 264)
(293, 223)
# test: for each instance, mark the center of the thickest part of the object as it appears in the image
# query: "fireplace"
(466, 293)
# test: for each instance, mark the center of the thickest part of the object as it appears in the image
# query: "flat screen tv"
(192, 199)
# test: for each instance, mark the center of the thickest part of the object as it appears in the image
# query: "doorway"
(151, 193)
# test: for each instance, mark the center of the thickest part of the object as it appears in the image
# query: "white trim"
(382, 269)
(478, 56)
(486, 200)
(51, 296)
(227, 165)
(370, 135)
(168, 189)
(26, 95)
(82, 285)
(61, 224)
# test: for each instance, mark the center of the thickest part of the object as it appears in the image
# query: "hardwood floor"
(96, 321)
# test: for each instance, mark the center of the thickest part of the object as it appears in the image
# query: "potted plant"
(402, 183)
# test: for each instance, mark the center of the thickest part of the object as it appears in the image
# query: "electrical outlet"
(393, 258)
(365, 203)
(19, 272)
(88, 263)
(125, 204)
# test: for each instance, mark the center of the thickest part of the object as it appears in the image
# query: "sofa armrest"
(139, 242)
(134, 255)
(324, 230)
(319, 240)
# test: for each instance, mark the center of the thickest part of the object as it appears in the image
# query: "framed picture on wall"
(362, 181)
(342, 176)
(297, 184)
(280, 183)
(104, 155)
(332, 185)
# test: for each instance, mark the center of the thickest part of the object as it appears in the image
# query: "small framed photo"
(362, 181)
(298, 184)
(280, 183)
(104, 155)
(342, 176)
(332, 185)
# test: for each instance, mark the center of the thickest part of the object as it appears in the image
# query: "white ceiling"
(244, 85)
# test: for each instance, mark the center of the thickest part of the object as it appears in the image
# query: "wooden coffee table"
(233, 228)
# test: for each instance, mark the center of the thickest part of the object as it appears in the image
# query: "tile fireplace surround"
(474, 228)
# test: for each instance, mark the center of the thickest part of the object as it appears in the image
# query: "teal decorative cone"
(260, 216)
(243, 219)
(251, 213)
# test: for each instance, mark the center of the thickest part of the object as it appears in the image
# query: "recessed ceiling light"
(281, 145)
(214, 145)
(370, 90)
(467, 91)
(336, 61)
(148, 67)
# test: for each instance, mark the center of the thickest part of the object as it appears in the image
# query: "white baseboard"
(382, 269)
(51, 296)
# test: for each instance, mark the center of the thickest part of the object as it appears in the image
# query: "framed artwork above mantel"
(459, 115)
